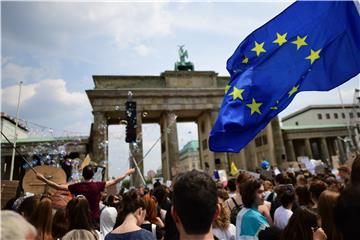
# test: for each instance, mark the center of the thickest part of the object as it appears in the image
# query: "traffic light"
(130, 113)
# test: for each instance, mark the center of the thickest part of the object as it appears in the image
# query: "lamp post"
(15, 133)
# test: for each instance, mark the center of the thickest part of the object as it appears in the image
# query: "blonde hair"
(223, 219)
(14, 226)
(79, 234)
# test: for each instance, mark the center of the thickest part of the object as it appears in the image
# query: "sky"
(55, 48)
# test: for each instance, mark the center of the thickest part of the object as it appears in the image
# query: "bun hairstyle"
(132, 201)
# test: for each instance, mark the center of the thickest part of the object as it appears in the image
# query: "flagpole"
(15, 133)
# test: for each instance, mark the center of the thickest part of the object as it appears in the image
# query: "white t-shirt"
(107, 220)
(228, 234)
(281, 217)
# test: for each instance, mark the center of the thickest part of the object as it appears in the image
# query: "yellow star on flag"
(227, 88)
(246, 60)
(254, 106)
(236, 93)
(280, 39)
(300, 42)
(313, 55)
(259, 48)
(293, 90)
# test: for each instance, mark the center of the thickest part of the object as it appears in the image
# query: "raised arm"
(52, 184)
(119, 178)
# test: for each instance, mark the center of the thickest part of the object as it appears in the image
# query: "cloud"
(142, 50)
(49, 103)
(14, 73)
(124, 23)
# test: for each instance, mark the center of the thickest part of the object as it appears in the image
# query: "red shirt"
(92, 192)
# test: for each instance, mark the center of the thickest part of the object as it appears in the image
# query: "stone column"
(308, 148)
(137, 151)
(340, 150)
(99, 137)
(169, 145)
(207, 158)
(277, 138)
(324, 151)
(291, 150)
(221, 155)
(251, 158)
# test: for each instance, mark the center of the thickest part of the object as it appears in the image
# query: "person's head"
(287, 198)
(222, 221)
(88, 172)
(157, 183)
(42, 218)
(268, 186)
(150, 207)
(355, 171)
(79, 234)
(303, 196)
(134, 204)
(194, 202)
(231, 184)
(344, 173)
(346, 211)
(316, 188)
(301, 180)
(326, 206)
(14, 226)
(252, 193)
(223, 194)
(332, 183)
(59, 224)
(242, 178)
(78, 213)
(28, 206)
(301, 225)
(160, 193)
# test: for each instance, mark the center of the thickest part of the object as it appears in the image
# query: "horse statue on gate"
(182, 65)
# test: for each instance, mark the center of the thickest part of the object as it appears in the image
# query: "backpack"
(234, 211)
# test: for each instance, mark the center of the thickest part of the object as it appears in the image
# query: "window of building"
(260, 141)
(336, 116)
(351, 115)
(296, 123)
(343, 115)
(358, 114)
(327, 115)
(319, 116)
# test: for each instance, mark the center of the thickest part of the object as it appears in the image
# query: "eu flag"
(310, 46)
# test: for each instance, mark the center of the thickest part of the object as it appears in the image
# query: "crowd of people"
(288, 206)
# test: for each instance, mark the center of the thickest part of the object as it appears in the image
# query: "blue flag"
(310, 46)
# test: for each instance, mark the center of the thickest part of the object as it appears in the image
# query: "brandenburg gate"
(192, 96)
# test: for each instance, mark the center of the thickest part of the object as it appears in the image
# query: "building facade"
(326, 132)
(189, 157)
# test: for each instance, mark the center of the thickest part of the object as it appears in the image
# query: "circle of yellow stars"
(259, 49)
